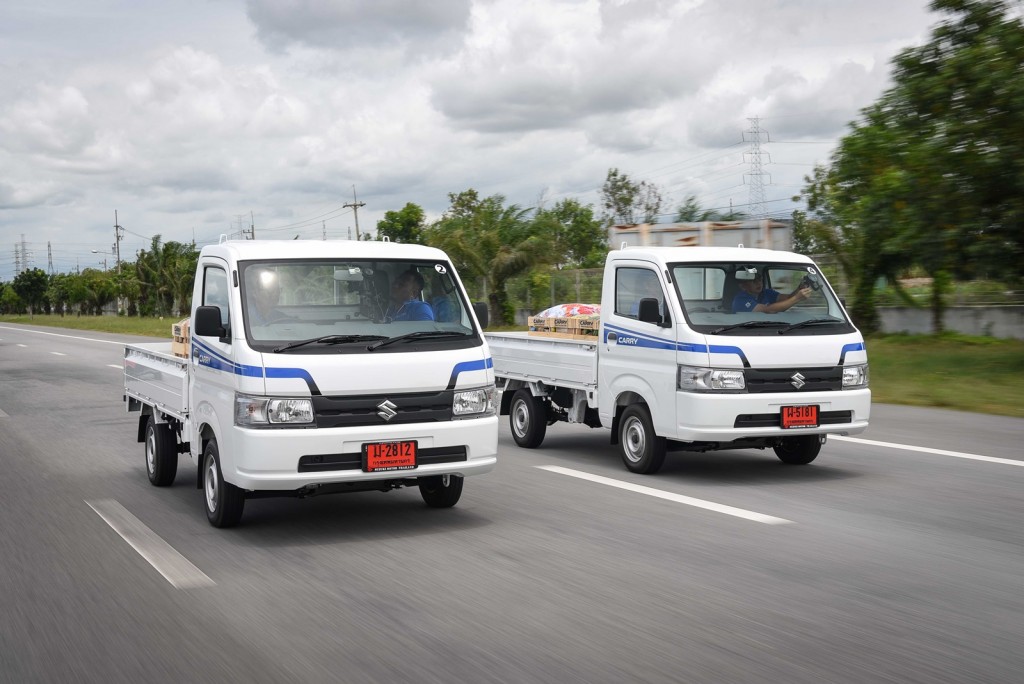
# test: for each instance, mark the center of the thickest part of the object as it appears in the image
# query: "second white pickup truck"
(699, 349)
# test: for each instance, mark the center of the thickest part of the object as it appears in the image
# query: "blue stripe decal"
(721, 349)
(638, 339)
(206, 356)
(299, 373)
(467, 366)
(654, 343)
(853, 346)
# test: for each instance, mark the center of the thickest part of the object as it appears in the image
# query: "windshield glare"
(717, 295)
(288, 301)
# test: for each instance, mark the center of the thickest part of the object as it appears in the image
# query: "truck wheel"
(161, 453)
(439, 495)
(798, 450)
(224, 501)
(527, 416)
(642, 450)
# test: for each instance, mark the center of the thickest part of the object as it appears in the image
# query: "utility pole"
(118, 234)
(355, 204)
(252, 226)
(324, 224)
(49, 258)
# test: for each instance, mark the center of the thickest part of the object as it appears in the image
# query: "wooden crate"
(569, 328)
(180, 338)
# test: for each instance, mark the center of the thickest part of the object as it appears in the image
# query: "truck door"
(638, 356)
(213, 370)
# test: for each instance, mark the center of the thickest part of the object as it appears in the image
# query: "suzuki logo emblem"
(387, 410)
(798, 380)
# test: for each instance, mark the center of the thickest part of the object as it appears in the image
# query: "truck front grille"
(760, 381)
(762, 420)
(383, 409)
(354, 461)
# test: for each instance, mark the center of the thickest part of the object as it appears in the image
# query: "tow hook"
(446, 480)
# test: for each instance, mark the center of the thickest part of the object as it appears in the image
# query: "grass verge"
(979, 374)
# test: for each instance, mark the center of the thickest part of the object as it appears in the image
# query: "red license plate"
(381, 456)
(794, 417)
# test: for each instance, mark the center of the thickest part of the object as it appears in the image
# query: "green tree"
(578, 238)
(490, 242)
(933, 173)
(166, 274)
(10, 302)
(626, 202)
(405, 225)
(58, 292)
(30, 286)
(691, 211)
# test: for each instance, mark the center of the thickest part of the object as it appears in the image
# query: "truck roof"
(241, 250)
(701, 254)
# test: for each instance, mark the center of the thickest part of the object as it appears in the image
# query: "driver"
(754, 296)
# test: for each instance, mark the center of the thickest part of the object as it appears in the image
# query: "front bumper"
(268, 459)
(709, 417)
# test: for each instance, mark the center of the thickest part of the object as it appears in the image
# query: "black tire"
(799, 450)
(437, 495)
(642, 451)
(161, 453)
(223, 501)
(527, 416)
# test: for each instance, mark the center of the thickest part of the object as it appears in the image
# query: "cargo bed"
(155, 376)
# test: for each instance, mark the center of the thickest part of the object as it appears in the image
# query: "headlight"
(474, 403)
(255, 411)
(696, 379)
(855, 377)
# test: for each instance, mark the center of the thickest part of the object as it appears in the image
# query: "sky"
(194, 119)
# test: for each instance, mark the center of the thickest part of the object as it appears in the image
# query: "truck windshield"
(334, 306)
(758, 299)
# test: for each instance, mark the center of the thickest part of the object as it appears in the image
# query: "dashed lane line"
(58, 353)
(669, 496)
(927, 450)
(73, 337)
(175, 568)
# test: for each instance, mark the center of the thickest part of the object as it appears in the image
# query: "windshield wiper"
(748, 324)
(813, 321)
(329, 339)
(421, 335)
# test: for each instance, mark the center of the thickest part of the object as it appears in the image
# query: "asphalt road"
(875, 563)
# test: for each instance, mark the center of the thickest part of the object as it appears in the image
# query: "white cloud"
(183, 120)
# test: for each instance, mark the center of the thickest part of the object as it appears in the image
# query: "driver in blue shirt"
(405, 302)
(753, 296)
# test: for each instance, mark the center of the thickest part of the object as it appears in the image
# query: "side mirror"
(649, 311)
(480, 309)
(207, 323)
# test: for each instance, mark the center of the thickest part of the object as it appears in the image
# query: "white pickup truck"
(319, 367)
(698, 349)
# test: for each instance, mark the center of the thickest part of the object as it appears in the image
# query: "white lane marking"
(678, 498)
(114, 365)
(175, 568)
(73, 337)
(3, 415)
(58, 353)
(21, 345)
(927, 450)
